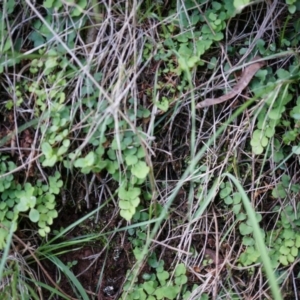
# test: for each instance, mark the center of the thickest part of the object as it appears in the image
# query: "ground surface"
(209, 244)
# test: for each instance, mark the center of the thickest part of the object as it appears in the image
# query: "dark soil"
(99, 268)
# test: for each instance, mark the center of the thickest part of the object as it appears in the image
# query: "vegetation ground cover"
(113, 183)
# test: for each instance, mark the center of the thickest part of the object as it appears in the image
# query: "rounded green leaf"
(284, 250)
(290, 258)
(289, 243)
(245, 229)
(131, 159)
(192, 61)
(283, 260)
(275, 113)
(248, 241)
(294, 251)
(47, 149)
(269, 132)
(163, 104)
(228, 200)
(62, 150)
(50, 162)
(296, 150)
(34, 215)
(237, 198)
(292, 9)
(257, 135)
(279, 192)
(10, 215)
(149, 287)
(162, 277)
(240, 4)
(141, 152)
(182, 279)
(49, 220)
(48, 3)
(180, 269)
(90, 159)
(289, 233)
(31, 201)
(218, 36)
(47, 229)
(135, 202)
(140, 170)
(51, 62)
(124, 204)
(133, 192)
(257, 149)
(236, 208)
(126, 214)
(22, 206)
(42, 224)
(53, 214)
(241, 217)
(264, 141)
(225, 192)
(146, 276)
(42, 232)
(50, 205)
(79, 163)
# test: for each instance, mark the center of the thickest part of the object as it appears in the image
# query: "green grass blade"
(207, 199)
(258, 238)
(71, 277)
(49, 288)
(6, 250)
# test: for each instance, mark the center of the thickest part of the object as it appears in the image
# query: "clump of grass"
(106, 93)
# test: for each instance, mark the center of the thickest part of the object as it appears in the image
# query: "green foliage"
(7, 44)
(138, 235)
(136, 168)
(70, 264)
(159, 285)
(56, 144)
(292, 5)
(283, 241)
(234, 200)
(54, 68)
(17, 280)
(270, 117)
(103, 155)
(188, 35)
(239, 4)
(280, 190)
(129, 200)
(90, 136)
(92, 162)
(42, 35)
(35, 202)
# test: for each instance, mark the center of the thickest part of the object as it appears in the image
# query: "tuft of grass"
(105, 93)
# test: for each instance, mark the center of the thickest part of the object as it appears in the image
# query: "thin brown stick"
(246, 77)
